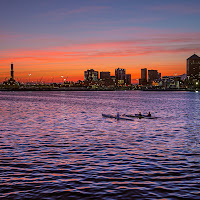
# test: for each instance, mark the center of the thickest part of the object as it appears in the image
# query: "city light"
(150, 80)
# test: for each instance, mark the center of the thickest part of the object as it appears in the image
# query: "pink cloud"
(73, 56)
(175, 43)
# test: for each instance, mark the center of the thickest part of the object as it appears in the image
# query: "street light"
(62, 79)
(29, 77)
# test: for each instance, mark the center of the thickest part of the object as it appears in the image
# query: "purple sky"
(63, 37)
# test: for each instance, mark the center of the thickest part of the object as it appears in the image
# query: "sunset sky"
(54, 38)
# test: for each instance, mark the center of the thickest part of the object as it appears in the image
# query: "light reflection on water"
(56, 145)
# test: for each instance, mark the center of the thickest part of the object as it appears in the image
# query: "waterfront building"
(120, 76)
(104, 75)
(144, 74)
(171, 82)
(106, 79)
(193, 67)
(91, 75)
(143, 80)
(153, 75)
(128, 79)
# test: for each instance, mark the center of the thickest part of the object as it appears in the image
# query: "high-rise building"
(144, 74)
(104, 75)
(120, 75)
(128, 79)
(193, 67)
(91, 75)
(153, 75)
(143, 80)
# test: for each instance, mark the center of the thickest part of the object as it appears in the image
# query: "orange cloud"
(166, 50)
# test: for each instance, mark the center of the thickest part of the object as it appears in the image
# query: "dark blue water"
(57, 145)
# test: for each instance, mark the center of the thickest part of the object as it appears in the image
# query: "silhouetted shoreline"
(91, 89)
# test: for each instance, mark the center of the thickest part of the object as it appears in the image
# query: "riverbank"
(95, 89)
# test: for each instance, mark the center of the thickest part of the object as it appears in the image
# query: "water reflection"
(57, 145)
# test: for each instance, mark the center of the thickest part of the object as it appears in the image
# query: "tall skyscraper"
(144, 74)
(143, 80)
(91, 75)
(120, 75)
(193, 67)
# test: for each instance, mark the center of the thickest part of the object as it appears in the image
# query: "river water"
(57, 145)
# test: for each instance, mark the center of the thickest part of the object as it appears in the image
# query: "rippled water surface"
(57, 145)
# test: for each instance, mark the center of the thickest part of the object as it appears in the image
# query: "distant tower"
(193, 67)
(144, 74)
(143, 80)
(12, 72)
(120, 76)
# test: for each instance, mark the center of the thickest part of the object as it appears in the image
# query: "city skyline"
(50, 40)
(96, 77)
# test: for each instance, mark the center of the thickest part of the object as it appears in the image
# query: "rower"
(149, 114)
(117, 115)
(140, 114)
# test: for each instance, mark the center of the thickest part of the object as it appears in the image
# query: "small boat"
(115, 117)
(141, 116)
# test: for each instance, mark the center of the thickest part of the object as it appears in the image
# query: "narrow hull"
(115, 117)
(141, 116)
